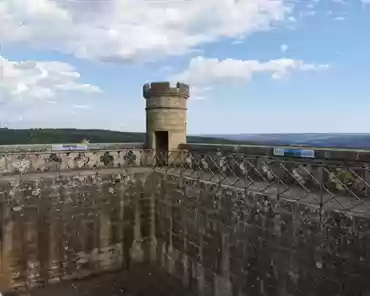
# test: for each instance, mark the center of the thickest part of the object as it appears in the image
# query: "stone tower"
(166, 115)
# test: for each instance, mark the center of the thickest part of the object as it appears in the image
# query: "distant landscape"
(338, 140)
(60, 136)
(50, 136)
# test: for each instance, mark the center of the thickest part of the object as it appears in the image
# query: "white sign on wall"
(294, 152)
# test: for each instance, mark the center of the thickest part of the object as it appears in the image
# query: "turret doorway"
(161, 140)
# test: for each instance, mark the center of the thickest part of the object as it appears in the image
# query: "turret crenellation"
(156, 89)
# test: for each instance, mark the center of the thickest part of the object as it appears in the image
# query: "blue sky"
(259, 66)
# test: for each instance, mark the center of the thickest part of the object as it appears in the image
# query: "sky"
(261, 66)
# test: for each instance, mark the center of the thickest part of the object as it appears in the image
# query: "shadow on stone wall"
(67, 226)
(227, 241)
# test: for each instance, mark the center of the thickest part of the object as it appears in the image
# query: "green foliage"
(59, 136)
(51, 136)
(345, 177)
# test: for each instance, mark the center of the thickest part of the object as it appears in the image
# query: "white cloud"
(84, 107)
(204, 71)
(238, 41)
(283, 48)
(199, 93)
(28, 80)
(100, 115)
(133, 29)
(339, 18)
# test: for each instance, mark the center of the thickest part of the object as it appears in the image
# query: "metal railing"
(328, 184)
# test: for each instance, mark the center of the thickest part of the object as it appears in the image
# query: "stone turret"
(166, 115)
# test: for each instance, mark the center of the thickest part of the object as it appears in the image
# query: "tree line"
(60, 136)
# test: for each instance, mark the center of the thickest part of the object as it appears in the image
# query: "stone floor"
(139, 282)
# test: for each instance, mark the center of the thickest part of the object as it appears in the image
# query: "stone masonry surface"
(200, 218)
(138, 281)
(11, 163)
(227, 241)
(166, 111)
(341, 179)
(61, 226)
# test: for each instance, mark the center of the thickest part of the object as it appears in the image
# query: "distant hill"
(359, 141)
(54, 136)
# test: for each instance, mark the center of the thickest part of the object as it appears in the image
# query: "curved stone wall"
(212, 219)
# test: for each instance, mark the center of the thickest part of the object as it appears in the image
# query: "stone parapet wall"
(320, 180)
(49, 147)
(11, 163)
(228, 241)
(321, 153)
(57, 227)
(217, 237)
(223, 223)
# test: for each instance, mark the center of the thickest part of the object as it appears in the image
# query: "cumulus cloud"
(205, 71)
(27, 80)
(134, 29)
